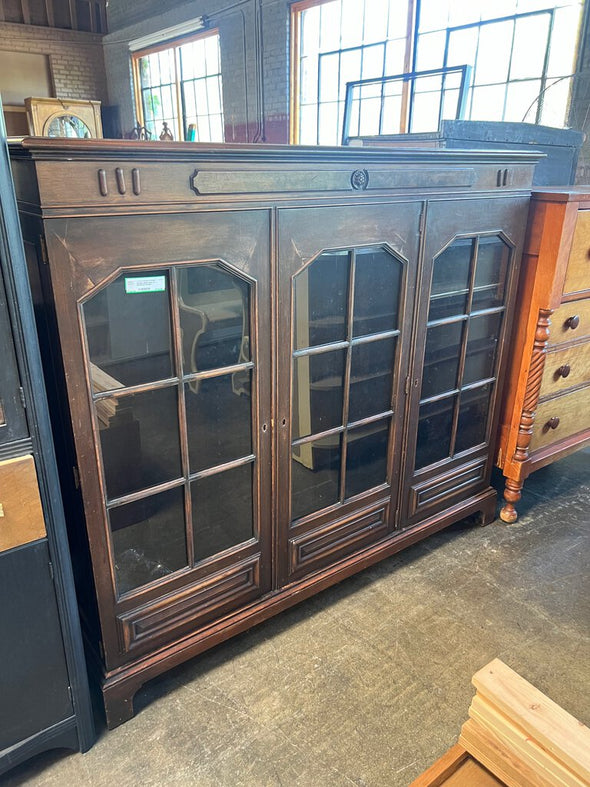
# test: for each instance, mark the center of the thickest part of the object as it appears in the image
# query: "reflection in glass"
(450, 280)
(371, 373)
(490, 273)
(473, 418)
(222, 510)
(139, 440)
(317, 392)
(366, 457)
(128, 331)
(376, 291)
(315, 472)
(214, 318)
(149, 539)
(67, 126)
(482, 345)
(320, 300)
(441, 358)
(218, 422)
(434, 431)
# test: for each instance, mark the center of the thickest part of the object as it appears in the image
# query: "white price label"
(137, 284)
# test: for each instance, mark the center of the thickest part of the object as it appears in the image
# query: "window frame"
(175, 45)
(413, 35)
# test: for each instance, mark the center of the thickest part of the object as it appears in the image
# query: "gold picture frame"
(55, 117)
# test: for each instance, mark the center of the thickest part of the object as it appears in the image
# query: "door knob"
(563, 371)
(572, 322)
(552, 423)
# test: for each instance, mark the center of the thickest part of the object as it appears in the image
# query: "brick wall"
(254, 59)
(76, 59)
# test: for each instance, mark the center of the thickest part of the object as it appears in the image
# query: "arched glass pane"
(214, 307)
(320, 300)
(377, 284)
(450, 280)
(128, 331)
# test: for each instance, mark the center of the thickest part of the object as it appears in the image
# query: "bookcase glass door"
(345, 337)
(466, 311)
(171, 373)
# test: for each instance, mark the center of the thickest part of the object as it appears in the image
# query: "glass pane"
(149, 539)
(425, 109)
(328, 124)
(528, 61)
(366, 457)
(222, 510)
(128, 331)
(315, 470)
(371, 372)
(473, 418)
(434, 431)
(329, 77)
(490, 273)
(493, 53)
(522, 100)
(377, 286)
(482, 345)
(487, 103)
(441, 359)
(218, 417)
(563, 41)
(317, 392)
(214, 318)
(320, 293)
(139, 440)
(463, 46)
(450, 280)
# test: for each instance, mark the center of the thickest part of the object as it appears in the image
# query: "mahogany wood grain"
(565, 369)
(564, 325)
(551, 336)
(577, 278)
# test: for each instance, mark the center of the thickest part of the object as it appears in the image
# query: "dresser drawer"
(577, 277)
(21, 515)
(565, 369)
(559, 418)
(570, 321)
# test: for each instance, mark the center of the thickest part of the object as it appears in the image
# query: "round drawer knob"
(572, 322)
(552, 423)
(564, 370)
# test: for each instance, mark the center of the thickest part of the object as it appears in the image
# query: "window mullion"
(179, 104)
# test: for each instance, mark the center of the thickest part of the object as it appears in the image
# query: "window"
(180, 85)
(522, 54)
(338, 42)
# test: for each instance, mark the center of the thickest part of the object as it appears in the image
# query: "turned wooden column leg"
(512, 495)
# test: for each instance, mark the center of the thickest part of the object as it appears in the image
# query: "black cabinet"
(44, 699)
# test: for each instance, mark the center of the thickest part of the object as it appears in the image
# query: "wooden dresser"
(546, 408)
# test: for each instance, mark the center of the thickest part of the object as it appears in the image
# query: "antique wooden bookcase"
(280, 365)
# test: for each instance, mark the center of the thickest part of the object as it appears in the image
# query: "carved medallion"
(359, 179)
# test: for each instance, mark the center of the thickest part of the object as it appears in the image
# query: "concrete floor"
(368, 683)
